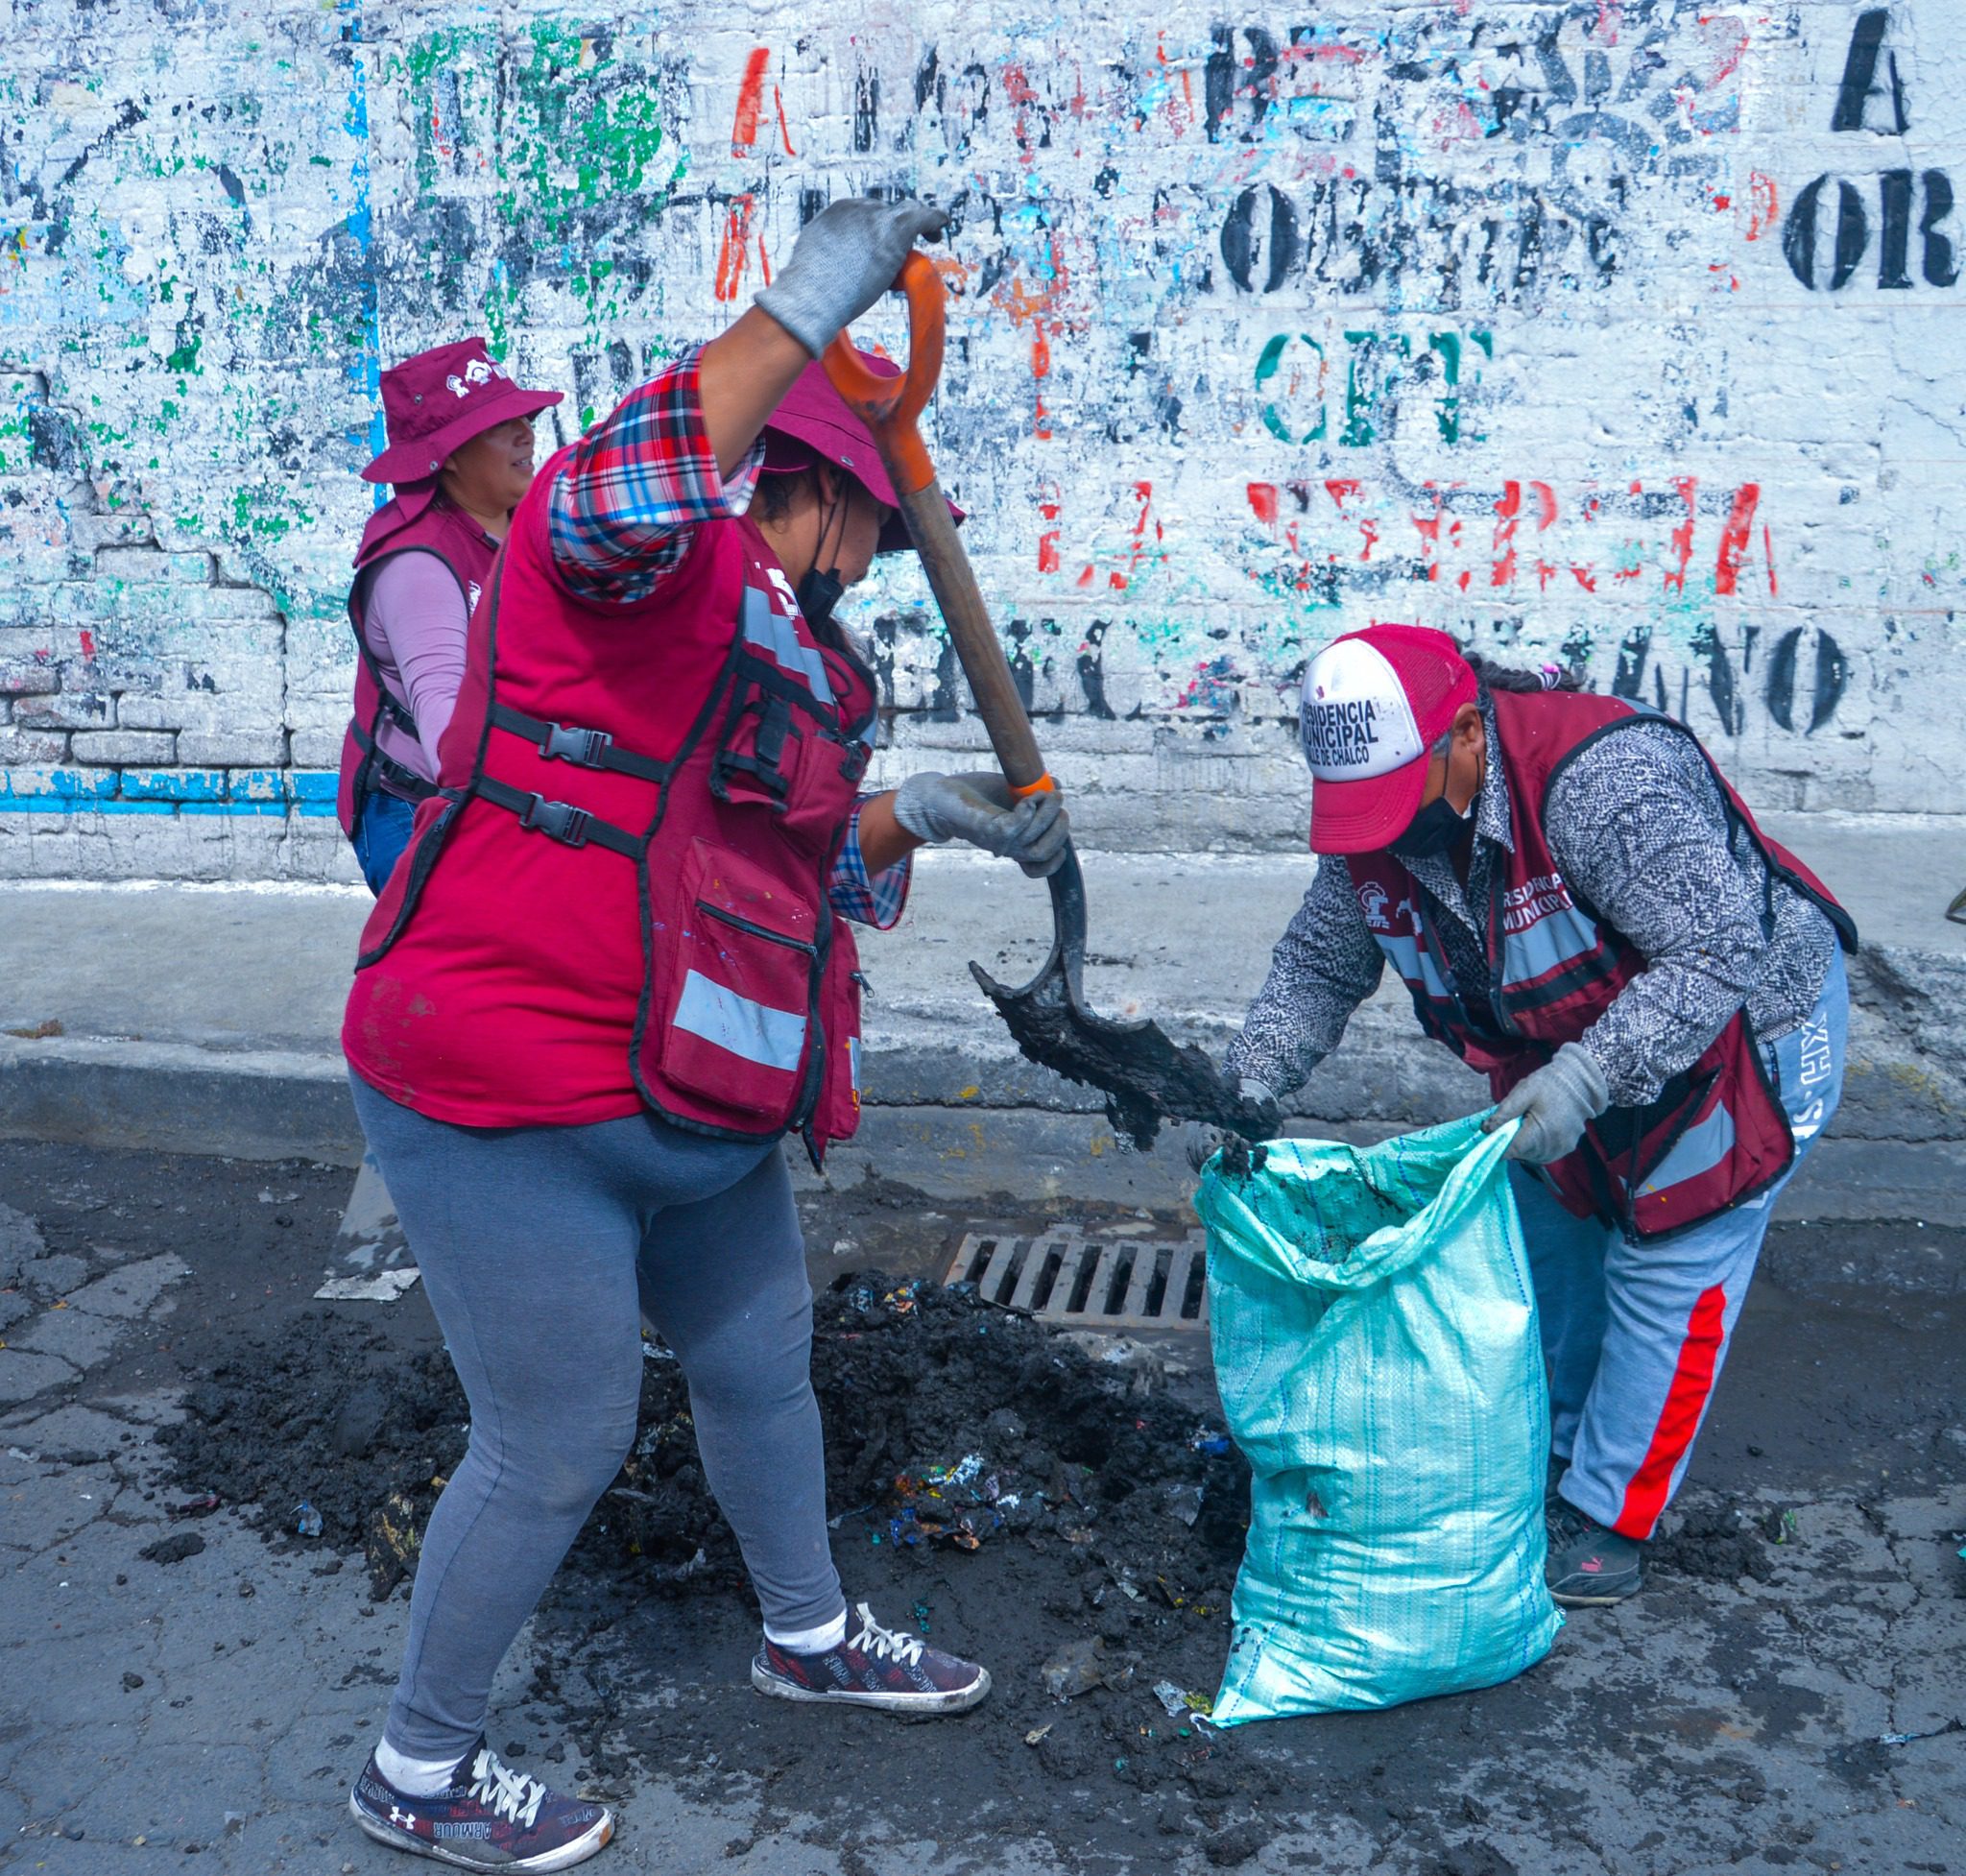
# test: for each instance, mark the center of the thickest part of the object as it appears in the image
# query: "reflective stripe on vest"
(771, 1037)
(767, 631)
(1556, 939)
(1696, 1153)
(1412, 960)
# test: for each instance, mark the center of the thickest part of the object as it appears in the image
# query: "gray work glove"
(1553, 1104)
(845, 259)
(981, 809)
(1201, 1143)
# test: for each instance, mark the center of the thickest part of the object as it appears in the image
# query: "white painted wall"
(1530, 322)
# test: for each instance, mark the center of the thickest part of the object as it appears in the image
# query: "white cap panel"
(1356, 721)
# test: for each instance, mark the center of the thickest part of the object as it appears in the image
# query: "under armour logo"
(480, 370)
(406, 1819)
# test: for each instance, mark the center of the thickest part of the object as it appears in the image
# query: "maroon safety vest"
(417, 521)
(1717, 1134)
(711, 740)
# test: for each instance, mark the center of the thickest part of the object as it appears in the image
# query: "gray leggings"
(538, 1246)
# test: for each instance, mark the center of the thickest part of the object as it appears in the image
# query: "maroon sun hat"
(813, 423)
(443, 398)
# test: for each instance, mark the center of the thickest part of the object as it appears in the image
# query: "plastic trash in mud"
(385, 1286)
(1930, 1733)
(962, 1505)
(391, 1542)
(1177, 1703)
(307, 1519)
(1184, 1503)
(864, 1296)
(1083, 1666)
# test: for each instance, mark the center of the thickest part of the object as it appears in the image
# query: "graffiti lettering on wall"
(1294, 377)
(1801, 681)
(1832, 219)
(1262, 322)
(1339, 533)
(1582, 115)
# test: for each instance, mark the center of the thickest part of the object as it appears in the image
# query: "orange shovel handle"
(891, 407)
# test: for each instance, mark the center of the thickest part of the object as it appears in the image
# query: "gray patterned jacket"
(1639, 829)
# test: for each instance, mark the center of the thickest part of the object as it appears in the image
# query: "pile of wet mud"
(992, 1486)
(1719, 1541)
(949, 1423)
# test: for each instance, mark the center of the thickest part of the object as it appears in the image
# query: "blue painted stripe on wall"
(307, 792)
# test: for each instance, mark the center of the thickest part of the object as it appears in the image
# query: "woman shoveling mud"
(1582, 907)
(608, 977)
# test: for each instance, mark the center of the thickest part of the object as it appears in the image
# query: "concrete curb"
(174, 1097)
(285, 1104)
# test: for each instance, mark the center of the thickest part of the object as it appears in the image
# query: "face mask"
(1434, 829)
(818, 594)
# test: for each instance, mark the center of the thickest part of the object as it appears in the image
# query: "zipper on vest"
(1496, 943)
(755, 931)
(815, 1027)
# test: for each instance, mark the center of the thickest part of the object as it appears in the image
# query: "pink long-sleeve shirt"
(415, 618)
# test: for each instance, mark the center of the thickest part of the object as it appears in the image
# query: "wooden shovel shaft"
(975, 639)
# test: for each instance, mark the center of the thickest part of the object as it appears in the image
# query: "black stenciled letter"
(1894, 234)
(1859, 77)
(1941, 265)
(1799, 234)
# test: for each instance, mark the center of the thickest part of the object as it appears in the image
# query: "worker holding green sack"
(1583, 908)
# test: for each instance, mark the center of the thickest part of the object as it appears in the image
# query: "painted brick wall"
(1625, 331)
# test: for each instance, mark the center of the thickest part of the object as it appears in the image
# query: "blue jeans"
(382, 830)
(1635, 1336)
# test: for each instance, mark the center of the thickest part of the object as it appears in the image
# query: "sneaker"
(874, 1667)
(1590, 1565)
(489, 1819)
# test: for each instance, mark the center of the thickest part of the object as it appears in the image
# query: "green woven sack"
(1376, 1349)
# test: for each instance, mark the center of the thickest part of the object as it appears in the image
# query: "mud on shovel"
(1143, 1073)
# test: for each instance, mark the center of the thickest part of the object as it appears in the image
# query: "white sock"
(810, 1641)
(416, 1778)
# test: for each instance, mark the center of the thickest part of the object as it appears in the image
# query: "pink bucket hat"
(813, 423)
(443, 398)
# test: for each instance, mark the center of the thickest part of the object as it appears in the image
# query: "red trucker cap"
(1374, 703)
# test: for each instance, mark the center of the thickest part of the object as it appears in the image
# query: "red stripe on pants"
(1679, 1419)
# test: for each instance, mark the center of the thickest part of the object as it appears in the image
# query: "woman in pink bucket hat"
(613, 972)
(461, 456)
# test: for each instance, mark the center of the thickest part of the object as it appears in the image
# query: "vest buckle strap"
(559, 821)
(565, 744)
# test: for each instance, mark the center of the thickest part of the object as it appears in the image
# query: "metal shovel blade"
(1145, 1076)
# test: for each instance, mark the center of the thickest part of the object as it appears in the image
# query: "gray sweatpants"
(540, 1248)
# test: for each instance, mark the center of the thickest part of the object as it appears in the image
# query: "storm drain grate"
(1087, 1282)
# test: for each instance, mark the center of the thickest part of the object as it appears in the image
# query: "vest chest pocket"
(777, 756)
(736, 1008)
